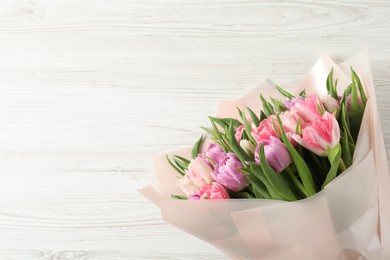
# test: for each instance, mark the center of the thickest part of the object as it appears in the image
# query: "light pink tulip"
(308, 108)
(199, 172)
(213, 191)
(275, 153)
(290, 120)
(187, 186)
(248, 146)
(321, 136)
(330, 103)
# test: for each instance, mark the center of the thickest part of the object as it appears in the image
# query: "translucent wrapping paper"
(349, 219)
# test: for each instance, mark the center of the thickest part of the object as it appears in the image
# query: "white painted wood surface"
(90, 90)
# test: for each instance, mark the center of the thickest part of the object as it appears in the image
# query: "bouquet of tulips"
(288, 151)
(298, 174)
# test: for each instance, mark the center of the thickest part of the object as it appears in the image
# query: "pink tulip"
(215, 153)
(308, 108)
(275, 153)
(239, 132)
(199, 172)
(187, 186)
(265, 129)
(321, 136)
(213, 191)
(228, 173)
(290, 119)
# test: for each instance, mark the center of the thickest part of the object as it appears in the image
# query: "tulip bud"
(276, 154)
(248, 146)
(199, 172)
(330, 103)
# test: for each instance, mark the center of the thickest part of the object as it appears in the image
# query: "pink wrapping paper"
(349, 219)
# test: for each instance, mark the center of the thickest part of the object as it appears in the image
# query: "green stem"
(342, 166)
(297, 183)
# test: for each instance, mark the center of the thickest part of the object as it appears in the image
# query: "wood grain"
(90, 90)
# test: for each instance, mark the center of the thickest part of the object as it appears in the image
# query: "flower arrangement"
(299, 175)
(289, 150)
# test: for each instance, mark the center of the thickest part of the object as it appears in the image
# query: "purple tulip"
(349, 101)
(215, 153)
(289, 103)
(276, 154)
(227, 173)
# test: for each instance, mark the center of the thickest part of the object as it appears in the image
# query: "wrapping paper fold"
(349, 219)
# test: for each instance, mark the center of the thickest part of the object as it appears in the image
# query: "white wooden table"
(90, 90)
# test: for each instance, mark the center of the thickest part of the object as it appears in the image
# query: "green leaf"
(262, 115)
(303, 93)
(303, 169)
(331, 86)
(356, 80)
(195, 149)
(356, 121)
(248, 128)
(218, 135)
(179, 197)
(316, 165)
(334, 159)
(236, 148)
(354, 106)
(277, 182)
(279, 106)
(320, 108)
(284, 92)
(240, 195)
(175, 167)
(209, 131)
(344, 121)
(261, 186)
(184, 160)
(254, 117)
(219, 121)
(181, 165)
(345, 153)
(296, 185)
(267, 107)
(235, 122)
(298, 130)
(329, 81)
